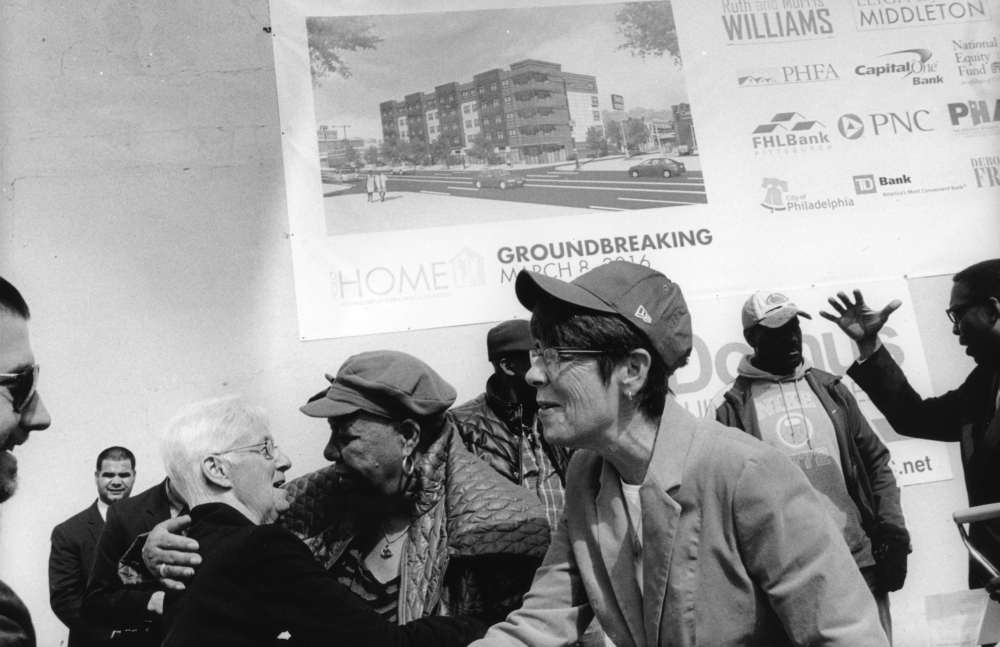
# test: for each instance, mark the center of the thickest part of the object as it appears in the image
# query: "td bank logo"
(852, 126)
(865, 184)
(790, 132)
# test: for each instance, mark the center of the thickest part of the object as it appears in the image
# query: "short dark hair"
(982, 279)
(556, 323)
(11, 300)
(115, 453)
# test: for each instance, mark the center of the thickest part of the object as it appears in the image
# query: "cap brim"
(327, 408)
(530, 286)
(780, 318)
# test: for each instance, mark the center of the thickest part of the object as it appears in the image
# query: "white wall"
(144, 220)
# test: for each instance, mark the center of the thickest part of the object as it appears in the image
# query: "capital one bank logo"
(774, 198)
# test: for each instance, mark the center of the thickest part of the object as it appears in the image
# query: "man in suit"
(967, 415)
(21, 412)
(74, 542)
(113, 599)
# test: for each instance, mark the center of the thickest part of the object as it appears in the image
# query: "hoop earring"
(628, 394)
(408, 467)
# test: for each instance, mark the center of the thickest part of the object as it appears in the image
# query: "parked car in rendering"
(497, 177)
(657, 167)
(403, 168)
(339, 175)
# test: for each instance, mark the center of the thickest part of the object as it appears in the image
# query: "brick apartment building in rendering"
(532, 113)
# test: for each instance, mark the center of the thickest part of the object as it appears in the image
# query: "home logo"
(405, 282)
(977, 61)
(777, 198)
(987, 171)
(774, 198)
(790, 132)
(747, 22)
(912, 64)
(975, 117)
(872, 15)
(852, 126)
(808, 73)
(864, 184)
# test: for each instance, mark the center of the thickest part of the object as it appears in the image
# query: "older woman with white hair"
(257, 581)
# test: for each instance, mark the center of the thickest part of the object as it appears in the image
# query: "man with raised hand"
(966, 415)
(808, 415)
(21, 412)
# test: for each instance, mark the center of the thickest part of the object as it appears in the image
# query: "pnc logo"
(851, 126)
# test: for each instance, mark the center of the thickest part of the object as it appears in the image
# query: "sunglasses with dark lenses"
(21, 386)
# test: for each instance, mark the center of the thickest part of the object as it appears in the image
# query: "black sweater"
(256, 582)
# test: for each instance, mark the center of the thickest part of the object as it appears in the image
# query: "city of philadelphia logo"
(778, 199)
(987, 171)
(912, 65)
(977, 61)
(808, 73)
(870, 15)
(790, 132)
(975, 117)
(751, 21)
(852, 126)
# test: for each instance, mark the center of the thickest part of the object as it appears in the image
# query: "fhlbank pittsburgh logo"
(753, 21)
(976, 117)
(790, 132)
(871, 15)
(777, 198)
(913, 66)
(806, 73)
(408, 281)
(977, 61)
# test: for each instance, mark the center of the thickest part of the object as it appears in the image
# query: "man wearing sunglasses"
(21, 412)
(967, 415)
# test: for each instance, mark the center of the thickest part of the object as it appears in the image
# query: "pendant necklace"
(386, 551)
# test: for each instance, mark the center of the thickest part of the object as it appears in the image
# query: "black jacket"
(257, 582)
(74, 542)
(107, 601)
(865, 460)
(966, 415)
(16, 629)
(493, 429)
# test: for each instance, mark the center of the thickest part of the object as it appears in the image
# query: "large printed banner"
(434, 149)
(719, 347)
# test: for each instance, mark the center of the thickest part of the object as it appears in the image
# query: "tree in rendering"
(597, 143)
(329, 37)
(351, 155)
(371, 155)
(648, 29)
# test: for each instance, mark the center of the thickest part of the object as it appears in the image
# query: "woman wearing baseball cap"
(676, 530)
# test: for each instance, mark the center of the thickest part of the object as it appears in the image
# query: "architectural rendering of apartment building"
(533, 112)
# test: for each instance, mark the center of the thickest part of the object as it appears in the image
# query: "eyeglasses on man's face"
(957, 313)
(21, 386)
(553, 356)
(266, 448)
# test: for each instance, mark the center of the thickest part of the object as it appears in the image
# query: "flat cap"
(386, 383)
(512, 336)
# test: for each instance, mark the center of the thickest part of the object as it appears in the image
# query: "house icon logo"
(468, 269)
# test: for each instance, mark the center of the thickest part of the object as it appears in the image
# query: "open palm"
(856, 319)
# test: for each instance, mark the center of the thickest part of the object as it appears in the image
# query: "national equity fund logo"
(753, 21)
(806, 73)
(790, 132)
(870, 15)
(977, 61)
(854, 126)
(913, 66)
(777, 198)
